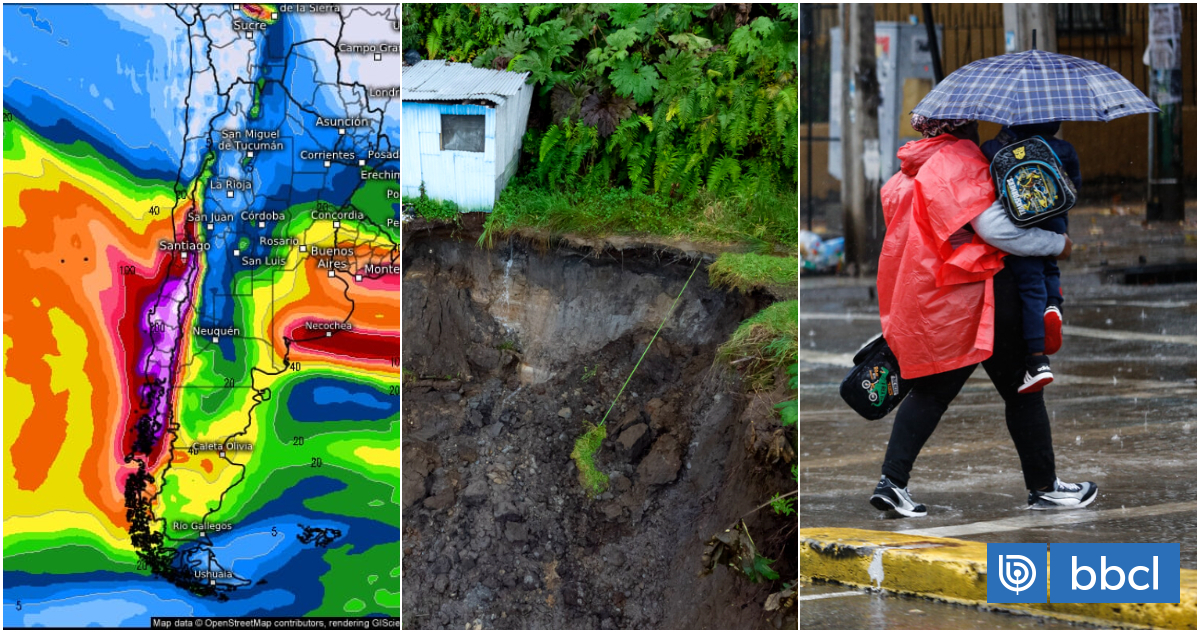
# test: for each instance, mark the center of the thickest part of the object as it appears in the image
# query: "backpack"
(874, 387)
(1030, 182)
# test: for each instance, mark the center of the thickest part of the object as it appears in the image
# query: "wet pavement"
(827, 606)
(1122, 408)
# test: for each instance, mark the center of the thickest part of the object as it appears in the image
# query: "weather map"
(201, 312)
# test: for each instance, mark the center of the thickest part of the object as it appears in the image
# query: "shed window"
(462, 132)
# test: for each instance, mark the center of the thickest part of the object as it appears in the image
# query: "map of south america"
(201, 312)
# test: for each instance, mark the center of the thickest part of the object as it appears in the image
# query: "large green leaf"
(625, 14)
(634, 79)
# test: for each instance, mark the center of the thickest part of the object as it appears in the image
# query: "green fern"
(711, 107)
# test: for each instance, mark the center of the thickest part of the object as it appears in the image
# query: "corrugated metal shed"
(439, 80)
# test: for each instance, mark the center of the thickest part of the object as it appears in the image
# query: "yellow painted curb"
(956, 571)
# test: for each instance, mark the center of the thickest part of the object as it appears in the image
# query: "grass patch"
(431, 209)
(764, 343)
(767, 221)
(747, 271)
(593, 481)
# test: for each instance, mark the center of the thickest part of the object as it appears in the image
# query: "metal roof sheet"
(440, 80)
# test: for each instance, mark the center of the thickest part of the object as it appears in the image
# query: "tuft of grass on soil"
(767, 221)
(764, 343)
(431, 209)
(746, 271)
(593, 481)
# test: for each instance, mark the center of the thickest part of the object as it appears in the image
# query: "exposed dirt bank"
(508, 353)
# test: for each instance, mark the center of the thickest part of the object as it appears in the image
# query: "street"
(1122, 409)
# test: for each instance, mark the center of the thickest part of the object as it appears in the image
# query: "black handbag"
(1030, 183)
(874, 386)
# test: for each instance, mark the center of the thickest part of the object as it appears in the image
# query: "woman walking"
(947, 304)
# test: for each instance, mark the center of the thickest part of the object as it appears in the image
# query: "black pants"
(1025, 413)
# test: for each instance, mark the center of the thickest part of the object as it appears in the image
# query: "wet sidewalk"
(830, 606)
(1122, 408)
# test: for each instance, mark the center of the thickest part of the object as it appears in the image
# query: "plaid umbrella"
(1034, 87)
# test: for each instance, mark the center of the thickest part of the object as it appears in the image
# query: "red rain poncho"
(935, 301)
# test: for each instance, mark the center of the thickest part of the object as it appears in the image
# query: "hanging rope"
(660, 327)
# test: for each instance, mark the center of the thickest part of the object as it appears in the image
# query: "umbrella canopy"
(1034, 87)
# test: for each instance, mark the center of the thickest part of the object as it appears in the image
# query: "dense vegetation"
(682, 117)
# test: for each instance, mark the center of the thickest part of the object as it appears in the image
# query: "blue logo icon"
(1112, 572)
(1016, 572)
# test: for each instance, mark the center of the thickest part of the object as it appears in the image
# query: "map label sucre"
(243, 25)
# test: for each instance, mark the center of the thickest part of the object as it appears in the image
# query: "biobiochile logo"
(1114, 572)
(1083, 573)
(1016, 572)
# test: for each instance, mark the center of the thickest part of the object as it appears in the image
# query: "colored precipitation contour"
(266, 549)
(282, 575)
(69, 566)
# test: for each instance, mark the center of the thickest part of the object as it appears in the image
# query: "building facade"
(462, 130)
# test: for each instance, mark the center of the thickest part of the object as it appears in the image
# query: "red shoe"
(1053, 321)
